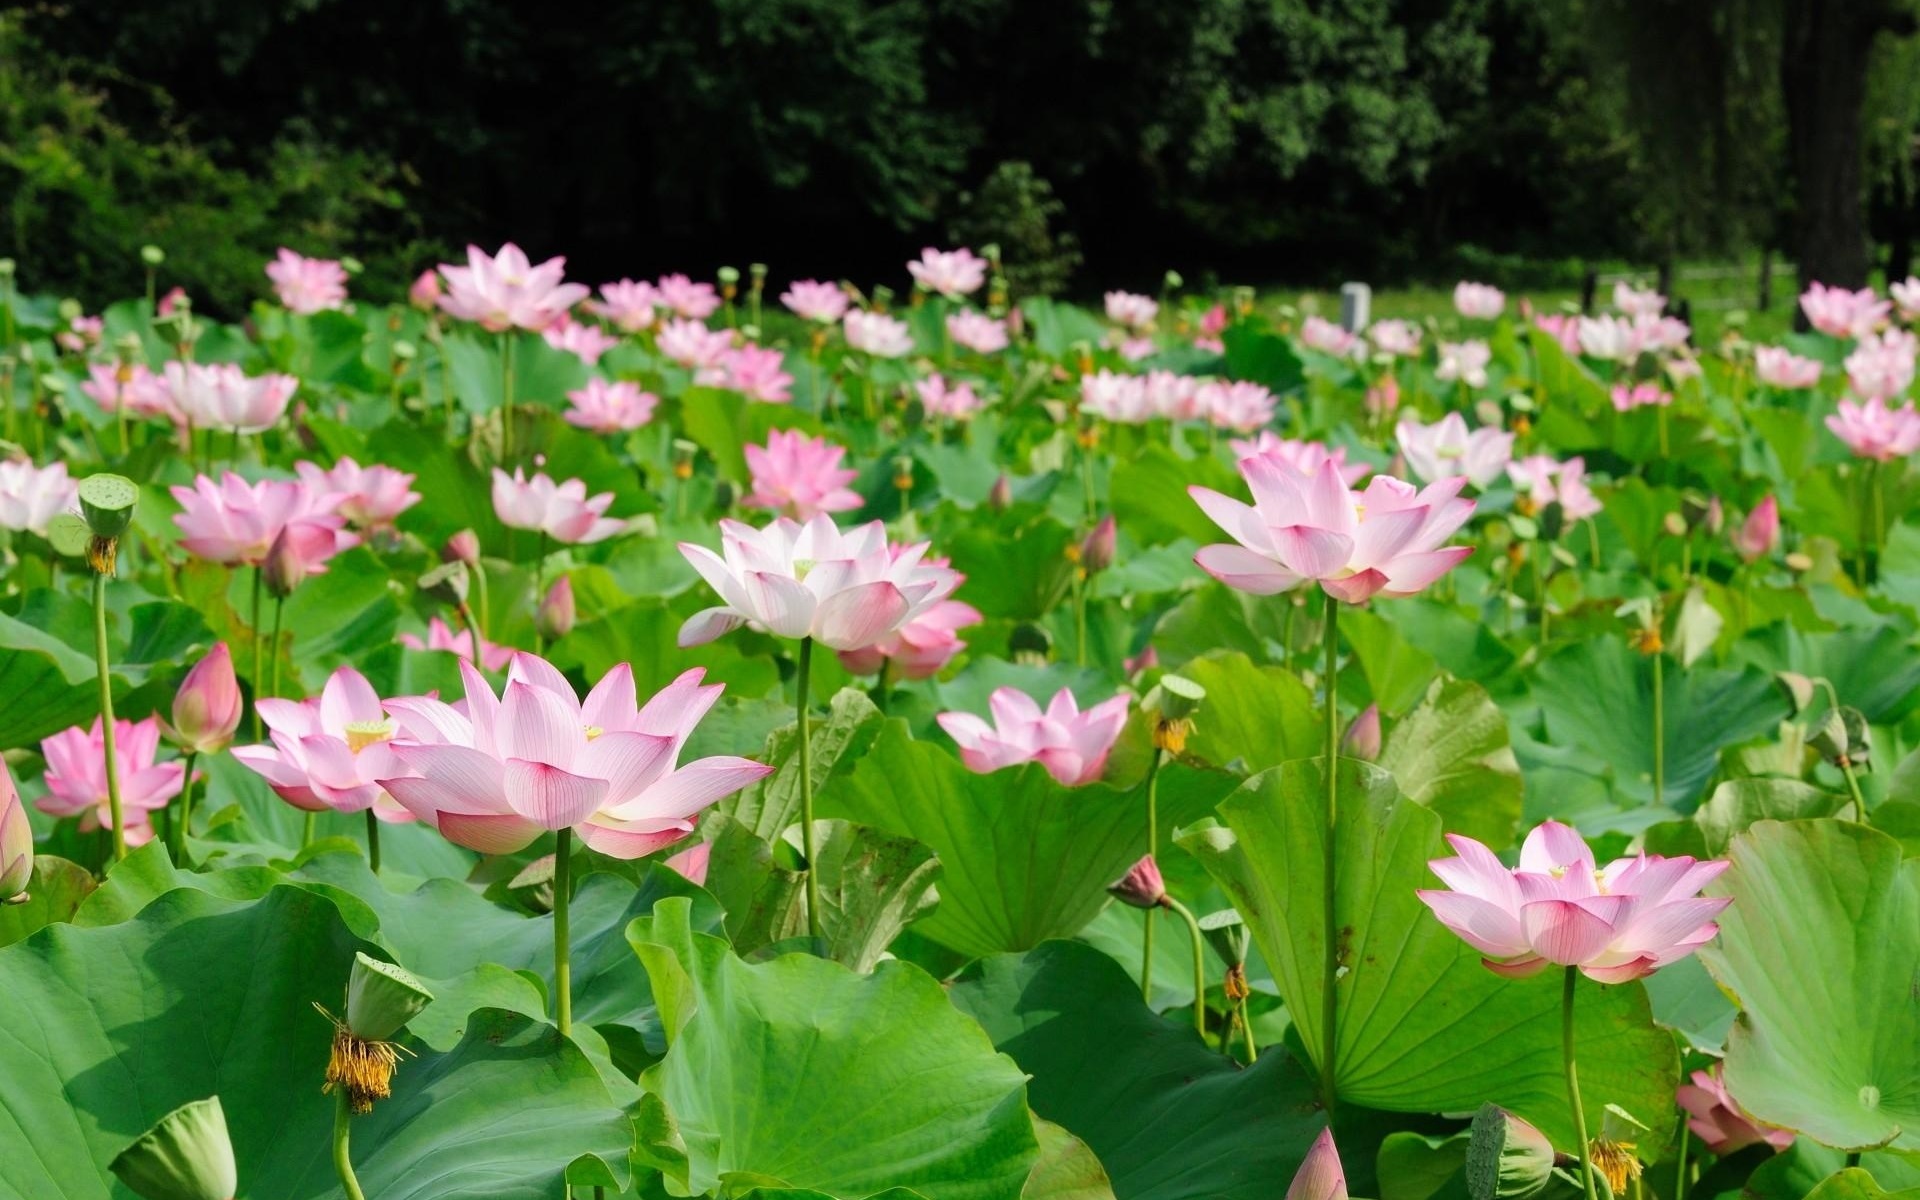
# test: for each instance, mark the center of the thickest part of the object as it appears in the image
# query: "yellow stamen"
(363, 1068)
(1615, 1160)
(361, 734)
(594, 731)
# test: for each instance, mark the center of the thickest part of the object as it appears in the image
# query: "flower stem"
(806, 786)
(178, 841)
(1080, 617)
(1573, 1079)
(373, 841)
(253, 627)
(1680, 1164)
(106, 713)
(473, 634)
(1330, 932)
(562, 949)
(1853, 785)
(273, 668)
(1659, 729)
(342, 1154)
(1199, 968)
(1153, 844)
(506, 396)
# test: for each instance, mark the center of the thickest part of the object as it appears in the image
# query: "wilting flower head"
(1756, 537)
(1386, 540)
(1446, 450)
(757, 373)
(31, 496)
(1545, 481)
(939, 399)
(507, 291)
(1872, 430)
(1072, 745)
(495, 776)
(815, 301)
(424, 294)
(1640, 395)
(113, 386)
(330, 752)
(562, 511)
(976, 331)
(222, 396)
(695, 301)
(234, 521)
(1637, 302)
(1777, 366)
(206, 709)
(16, 840)
(77, 776)
(440, 636)
(877, 334)
(1465, 362)
(629, 305)
(609, 407)
(587, 342)
(1398, 338)
(1881, 365)
(846, 589)
(1303, 456)
(1616, 923)
(1478, 301)
(1717, 1119)
(1906, 296)
(1321, 1176)
(1132, 309)
(307, 285)
(950, 272)
(1323, 335)
(692, 344)
(1242, 405)
(1840, 313)
(798, 476)
(1118, 398)
(1142, 886)
(370, 497)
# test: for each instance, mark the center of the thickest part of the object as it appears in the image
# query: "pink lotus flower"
(1118, 398)
(440, 636)
(952, 273)
(206, 709)
(610, 407)
(1323, 335)
(1562, 328)
(370, 497)
(693, 345)
(939, 399)
(1175, 397)
(1636, 302)
(815, 301)
(1640, 395)
(1446, 450)
(587, 342)
(1840, 313)
(846, 589)
(31, 496)
(80, 333)
(798, 476)
(562, 511)
(176, 298)
(1778, 367)
(1383, 398)
(691, 864)
(424, 294)
(307, 285)
(1613, 339)
(143, 393)
(236, 522)
(695, 301)
(1622, 922)
(1546, 482)
(1478, 301)
(1304, 457)
(757, 373)
(77, 776)
(1132, 310)
(1134, 349)
(1398, 338)
(1072, 745)
(923, 646)
(495, 776)
(1906, 297)
(1465, 362)
(877, 334)
(330, 753)
(16, 841)
(1386, 540)
(1717, 1119)
(222, 396)
(1872, 430)
(977, 332)
(1321, 1177)
(1881, 365)
(629, 305)
(507, 291)
(1758, 535)
(1242, 406)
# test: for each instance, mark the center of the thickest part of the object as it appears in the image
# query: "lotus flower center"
(800, 568)
(1450, 452)
(594, 731)
(361, 734)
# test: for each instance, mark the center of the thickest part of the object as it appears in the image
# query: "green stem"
(342, 1154)
(562, 948)
(273, 667)
(1246, 1033)
(539, 573)
(373, 841)
(1659, 729)
(479, 577)
(253, 627)
(178, 839)
(506, 397)
(1680, 1164)
(806, 787)
(1878, 504)
(473, 633)
(1153, 844)
(883, 685)
(106, 713)
(1199, 968)
(1573, 1080)
(1537, 551)
(1080, 616)
(1853, 785)
(1330, 931)
(307, 829)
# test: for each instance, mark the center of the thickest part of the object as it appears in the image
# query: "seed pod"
(1507, 1158)
(381, 998)
(186, 1156)
(107, 503)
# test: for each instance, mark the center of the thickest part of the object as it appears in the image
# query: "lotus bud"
(1507, 1158)
(1097, 550)
(449, 582)
(554, 618)
(1363, 735)
(285, 568)
(1760, 532)
(1142, 662)
(107, 503)
(152, 255)
(1141, 886)
(206, 709)
(1173, 701)
(16, 842)
(425, 292)
(1321, 1177)
(1000, 496)
(462, 547)
(187, 1156)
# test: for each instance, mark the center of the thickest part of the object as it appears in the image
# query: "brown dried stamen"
(363, 1068)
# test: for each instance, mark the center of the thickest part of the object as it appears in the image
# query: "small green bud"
(351, 265)
(1174, 282)
(107, 502)
(1507, 1158)
(153, 256)
(187, 1156)
(728, 275)
(381, 998)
